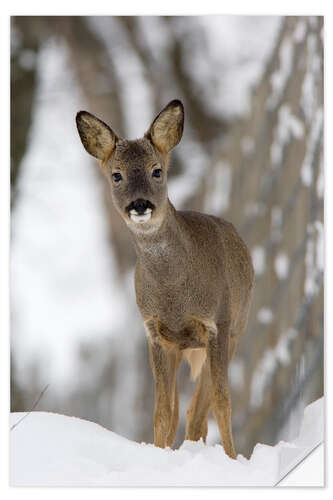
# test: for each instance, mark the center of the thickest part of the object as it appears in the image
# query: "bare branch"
(32, 408)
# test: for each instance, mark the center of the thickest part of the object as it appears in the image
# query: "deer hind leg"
(197, 413)
(218, 356)
(232, 347)
(164, 363)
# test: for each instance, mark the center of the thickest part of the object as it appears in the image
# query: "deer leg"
(197, 413)
(163, 395)
(164, 366)
(174, 420)
(232, 348)
(218, 356)
(175, 359)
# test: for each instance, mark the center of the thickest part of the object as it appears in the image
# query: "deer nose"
(140, 206)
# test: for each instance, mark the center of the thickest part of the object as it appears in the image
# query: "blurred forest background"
(252, 152)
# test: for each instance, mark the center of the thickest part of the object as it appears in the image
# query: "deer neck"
(163, 250)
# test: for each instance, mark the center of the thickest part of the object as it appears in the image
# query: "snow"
(320, 249)
(311, 146)
(288, 126)
(136, 92)
(281, 265)
(48, 449)
(254, 208)
(237, 58)
(271, 360)
(195, 163)
(218, 199)
(236, 373)
(314, 257)
(154, 36)
(259, 259)
(311, 82)
(320, 181)
(280, 77)
(247, 145)
(265, 316)
(276, 221)
(300, 31)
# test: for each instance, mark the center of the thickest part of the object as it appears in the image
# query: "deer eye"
(157, 172)
(117, 177)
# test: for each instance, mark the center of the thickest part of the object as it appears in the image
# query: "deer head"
(136, 170)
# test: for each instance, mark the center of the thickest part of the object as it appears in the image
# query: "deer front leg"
(218, 356)
(174, 419)
(164, 365)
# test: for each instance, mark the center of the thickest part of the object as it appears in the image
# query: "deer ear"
(167, 129)
(97, 137)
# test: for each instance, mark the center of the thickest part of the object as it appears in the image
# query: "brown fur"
(193, 278)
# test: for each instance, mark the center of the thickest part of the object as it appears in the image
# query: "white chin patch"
(140, 218)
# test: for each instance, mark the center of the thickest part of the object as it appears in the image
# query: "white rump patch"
(196, 359)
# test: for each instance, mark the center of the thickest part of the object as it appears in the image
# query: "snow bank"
(54, 450)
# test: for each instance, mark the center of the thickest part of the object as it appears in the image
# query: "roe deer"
(193, 277)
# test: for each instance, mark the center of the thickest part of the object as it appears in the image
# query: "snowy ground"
(54, 450)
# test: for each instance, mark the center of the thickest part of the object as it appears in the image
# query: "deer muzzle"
(140, 210)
